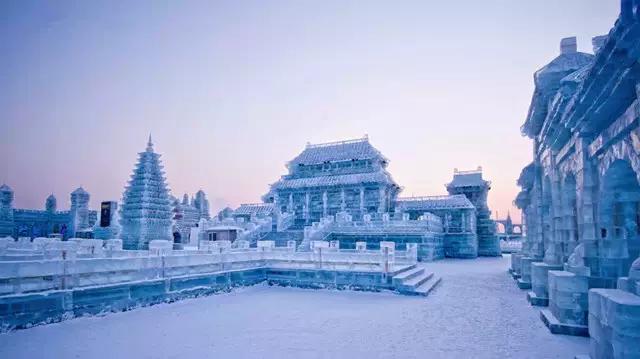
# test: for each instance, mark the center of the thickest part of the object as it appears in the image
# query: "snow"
(477, 311)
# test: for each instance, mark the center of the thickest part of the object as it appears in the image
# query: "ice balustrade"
(72, 270)
(343, 223)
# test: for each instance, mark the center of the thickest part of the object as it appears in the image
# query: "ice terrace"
(48, 280)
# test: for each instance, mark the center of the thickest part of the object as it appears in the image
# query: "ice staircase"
(414, 280)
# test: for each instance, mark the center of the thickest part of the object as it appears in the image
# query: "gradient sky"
(231, 90)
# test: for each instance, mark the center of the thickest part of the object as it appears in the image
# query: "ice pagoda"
(146, 213)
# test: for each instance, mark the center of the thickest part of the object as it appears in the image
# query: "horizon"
(231, 92)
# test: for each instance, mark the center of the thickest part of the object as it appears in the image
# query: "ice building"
(76, 222)
(348, 181)
(458, 217)
(146, 213)
(348, 176)
(581, 193)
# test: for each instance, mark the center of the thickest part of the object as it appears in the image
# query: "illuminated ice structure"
(146, 212)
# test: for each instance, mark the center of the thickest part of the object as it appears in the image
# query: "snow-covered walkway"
(476, 312)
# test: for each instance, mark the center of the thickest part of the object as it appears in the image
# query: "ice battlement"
(568, 45)
(598, 43)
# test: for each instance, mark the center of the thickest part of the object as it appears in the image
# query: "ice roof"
(435, 202)
(358, 149)
(258, 209)
(5, 188)
(467, 178)
(326, 181)
(566, 62)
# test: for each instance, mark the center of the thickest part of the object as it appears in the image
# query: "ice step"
(400, 278)
(416, 281)
(428, 286)
(401, 269)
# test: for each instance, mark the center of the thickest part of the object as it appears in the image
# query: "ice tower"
(475, 188)
(146, 213)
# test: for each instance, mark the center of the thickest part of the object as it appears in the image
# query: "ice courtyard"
(478, 312)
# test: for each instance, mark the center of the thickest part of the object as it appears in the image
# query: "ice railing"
(344, 223)
(89, 262)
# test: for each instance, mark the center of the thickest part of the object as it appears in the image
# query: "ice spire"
(150, 145)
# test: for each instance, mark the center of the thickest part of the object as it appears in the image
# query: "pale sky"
(231, 90)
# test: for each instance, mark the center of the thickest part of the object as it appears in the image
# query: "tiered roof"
(457, 201)
(340, 151)
(326, 181)
(358, 149)
(256, 209)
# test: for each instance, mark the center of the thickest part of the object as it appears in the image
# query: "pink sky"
(232, 90)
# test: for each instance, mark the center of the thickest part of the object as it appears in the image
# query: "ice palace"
(336, 220)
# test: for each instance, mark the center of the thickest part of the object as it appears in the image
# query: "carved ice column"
(568, 289)
(324, 203)
(463, 222)
(631, 226)
(539, 295)
(537, 249)
(554, 253)
(307, 202)
(586, 197)
(343, 203)
(569, 229)
(536, 252)
(290, 207)
(381, 205)
(362, 201)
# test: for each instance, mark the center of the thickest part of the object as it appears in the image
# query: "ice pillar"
(324, 203)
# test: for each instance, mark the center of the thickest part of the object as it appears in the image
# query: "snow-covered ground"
(476, 312)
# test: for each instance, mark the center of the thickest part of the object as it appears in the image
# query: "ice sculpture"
(146, 212)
